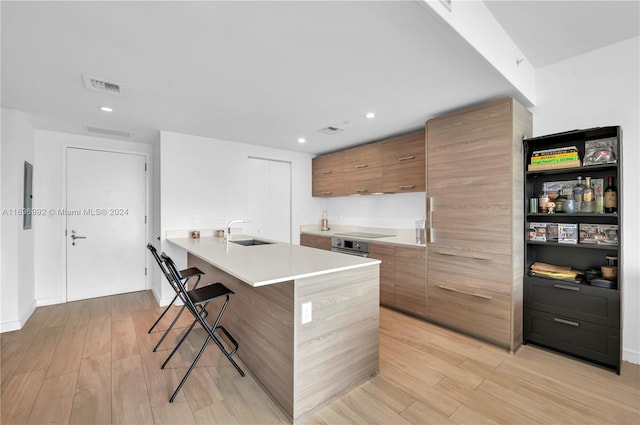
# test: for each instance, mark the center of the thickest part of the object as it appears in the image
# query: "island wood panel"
(411, 280)
(314, 241)
(386, 254)
(261, 320)
(338, 349)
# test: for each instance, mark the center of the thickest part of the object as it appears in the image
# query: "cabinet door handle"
(566, 322)
(473, 294)
(452, 254)
(431, 235)
(408, 186)
(363, 190)
(327, 193)
(568, 288)
(407, 158)
(361, 166)
(327, 172)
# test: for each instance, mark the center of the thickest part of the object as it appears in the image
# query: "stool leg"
(175, 319)
(179, 344)
(186, 375)
(162, 315)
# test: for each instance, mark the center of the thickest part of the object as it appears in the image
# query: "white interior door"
(106, 231)
(270, 199)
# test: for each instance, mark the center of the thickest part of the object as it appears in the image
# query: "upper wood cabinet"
(403, 163)
(389, 166)
(328, 175)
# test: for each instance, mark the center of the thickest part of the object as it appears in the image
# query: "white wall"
(49, 189)
(399, 210)
(17, 286)
(208, 178)
(602, 88)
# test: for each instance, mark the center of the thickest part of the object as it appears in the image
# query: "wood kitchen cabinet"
(386, 254)
(363, 169)
(475, 259)
(402, 277)
(313, 241)
(328, 175)
(403, 163)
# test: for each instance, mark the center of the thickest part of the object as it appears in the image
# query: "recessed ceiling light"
(370, 115)
(302, 140)
(106, 109)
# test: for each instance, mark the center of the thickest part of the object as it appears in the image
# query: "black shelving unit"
(573, 317)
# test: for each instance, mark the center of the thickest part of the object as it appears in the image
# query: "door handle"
(74, 237)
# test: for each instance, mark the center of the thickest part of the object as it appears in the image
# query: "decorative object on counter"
(195, 234)
(219, 233)
(548, 159)
(599, 152)
(325, 222)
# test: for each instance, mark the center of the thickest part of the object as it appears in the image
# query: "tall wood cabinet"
(475, 241)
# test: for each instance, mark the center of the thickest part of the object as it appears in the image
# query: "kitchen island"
(301, 365)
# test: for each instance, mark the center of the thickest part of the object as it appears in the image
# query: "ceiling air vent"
(330, 130)
(108, 132)
(100, 84)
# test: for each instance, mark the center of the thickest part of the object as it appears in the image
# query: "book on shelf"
(554, 165)
(554, 151)
(545, 160)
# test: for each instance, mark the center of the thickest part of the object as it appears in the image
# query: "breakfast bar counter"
(303, 361)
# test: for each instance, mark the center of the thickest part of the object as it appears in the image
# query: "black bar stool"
(196, 302)
(186, 275)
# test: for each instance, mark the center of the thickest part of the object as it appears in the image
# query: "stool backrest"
(175, 279)
(154, 252)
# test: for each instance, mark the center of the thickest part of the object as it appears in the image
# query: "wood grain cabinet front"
(411, 280)
(403, 163)
(386, 254)
(313, 241)
(363, 169)
(475, 210)
(328, 175)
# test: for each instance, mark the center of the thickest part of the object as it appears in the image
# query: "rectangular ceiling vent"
(330, 130)
(100, 84)
(108, 132)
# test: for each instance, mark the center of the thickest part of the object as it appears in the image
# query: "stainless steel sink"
(251, 242)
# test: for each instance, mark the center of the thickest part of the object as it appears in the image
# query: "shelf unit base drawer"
(580, 338)
(582, 302)
(479, 313)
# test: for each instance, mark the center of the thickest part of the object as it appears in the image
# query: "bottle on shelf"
(543, 202)
(560, 201)
(610, 197)
(588, 199)
(578, 190)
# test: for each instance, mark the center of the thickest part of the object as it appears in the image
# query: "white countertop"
(398, 237)
(260, 265)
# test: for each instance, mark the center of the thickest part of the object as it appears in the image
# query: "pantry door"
(106, 230)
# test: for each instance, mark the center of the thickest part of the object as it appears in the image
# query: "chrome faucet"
(233, 222)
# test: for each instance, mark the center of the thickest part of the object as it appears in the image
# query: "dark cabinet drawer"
(579, 302)
(580, 338)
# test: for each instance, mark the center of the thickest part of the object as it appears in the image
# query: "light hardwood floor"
(90, 362)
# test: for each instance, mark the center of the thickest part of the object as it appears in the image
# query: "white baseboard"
(16, 325)
(50, 301)
(162, 302)
(631, 356)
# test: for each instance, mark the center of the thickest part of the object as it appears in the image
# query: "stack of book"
(549, 159)
(552, 271)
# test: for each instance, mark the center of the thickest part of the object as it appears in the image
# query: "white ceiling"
(268, 73)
